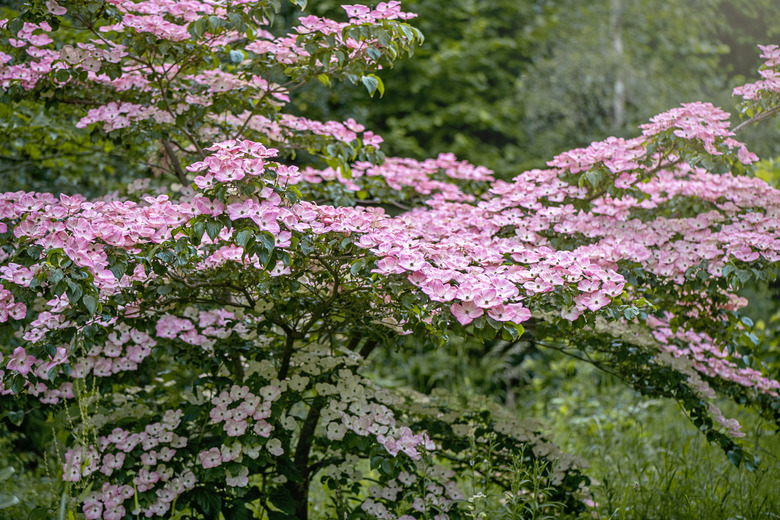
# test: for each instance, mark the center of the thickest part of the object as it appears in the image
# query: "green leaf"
(50, 349)
(166, 256)
(630, 313)
(735, 456)
(213, 228)
(278, 515)
(209, 502)
(197, 231)
(243, 236)
(371, 83)
(237, 511)
(284, 501)
(16, 417)
(593, 177)
(357, 266)
(62, 75)
(55, 276)
(16, 25)
(267, 239)
(74, 291)
(90, 302)
(40, 513)
(118, 269)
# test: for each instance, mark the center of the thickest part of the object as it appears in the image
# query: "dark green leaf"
(16, 25)
(209, 502)
(213, 228)
(118, 270)
(283, 500)
(90, 302)
(237, 511)
(16, 417)
(40, 513)
(55, 276)
(242, 237)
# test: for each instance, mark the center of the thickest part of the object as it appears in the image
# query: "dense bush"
(197, 346)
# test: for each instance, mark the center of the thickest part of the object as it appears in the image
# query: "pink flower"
(487, 298)
(71, 472)
(274, 447)
(93, 510)
(55, 8)
(270, 392)
(263, 429)
(240, 480)
(247, 209)
(235, 428)
(500, 313)
(211, 458)
(593, 301)
(466, 312)
(20, 361)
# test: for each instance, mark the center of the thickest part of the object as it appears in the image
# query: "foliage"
(459, 93)
(644, 463)
(510, 84)
(206, 344)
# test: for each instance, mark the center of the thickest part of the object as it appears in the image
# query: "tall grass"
(649, 462)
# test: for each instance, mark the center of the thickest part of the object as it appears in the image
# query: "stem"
(238, 368)
(586, 359)
(287, 356)
(249, 117)
(368, 347)
(174, 161)
(756, 119)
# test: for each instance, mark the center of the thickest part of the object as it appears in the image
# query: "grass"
(649, 462)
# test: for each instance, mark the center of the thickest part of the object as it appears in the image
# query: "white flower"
(274, 447)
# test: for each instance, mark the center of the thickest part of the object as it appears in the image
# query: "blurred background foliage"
(506, 84)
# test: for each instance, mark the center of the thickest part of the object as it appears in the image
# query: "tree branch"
(756, 119)
(174, 161)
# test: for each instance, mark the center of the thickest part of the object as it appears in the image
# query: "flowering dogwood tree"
(206, 344)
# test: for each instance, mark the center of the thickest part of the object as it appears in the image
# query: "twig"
(757, 118)
(174, 161)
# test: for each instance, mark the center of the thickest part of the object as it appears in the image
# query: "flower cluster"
(121, 115)
(770, 84)
(249, 416)
(124, 349)
(709, 356)
(440, 493)
(151, 452)
(400, 174)
(9, 307)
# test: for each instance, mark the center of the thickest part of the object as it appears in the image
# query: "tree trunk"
(619, 87)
